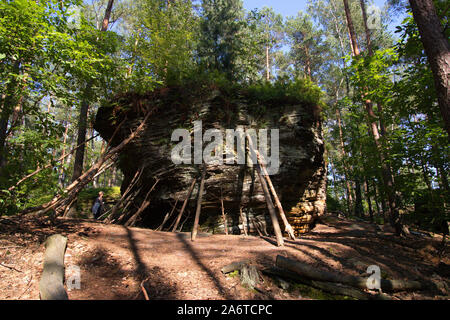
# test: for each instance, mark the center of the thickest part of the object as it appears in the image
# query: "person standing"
(97, 208)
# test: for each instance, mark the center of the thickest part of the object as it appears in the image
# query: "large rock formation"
(300, 182)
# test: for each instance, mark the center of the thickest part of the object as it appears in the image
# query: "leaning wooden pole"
(114, 212)
(270, 206)
(225, 225)
(76, 186)
(188, 196)
(131, 221)
(244, 227)
(51, 285)
(273, 216)
(167, 216)
(199, 204)
(287, 226)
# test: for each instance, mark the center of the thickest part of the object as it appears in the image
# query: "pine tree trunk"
(388, 179)
(82, 120)
(343, 155)
(351, 29)
(366, 28)
(358, 198)
(82, 128)
(369, 201)
(437, 49)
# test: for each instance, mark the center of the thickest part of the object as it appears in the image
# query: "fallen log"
(51, 285)
(357, 282)
(330, 287)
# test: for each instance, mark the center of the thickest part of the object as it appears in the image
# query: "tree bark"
(107, 15)
(351, 29)
(366, 28)
(82, 128)
(344, 156)
(313, 273)
(369, 201)
(51, 285)
(82, 119)
(270, 207)
(199, 204)
(330, 287)
(437, 49)
(358, 210)
(388, 179)
(184, 205)
(224, 218)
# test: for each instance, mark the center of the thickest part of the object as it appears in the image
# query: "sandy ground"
(114, 260)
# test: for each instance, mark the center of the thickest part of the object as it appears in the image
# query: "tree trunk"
(369, 201)
(366, 28)
(344, 156)
(82, 120)
(107, 15)
(184, 205)
(333, 288)
(377, 199)
(82, 128)
(267, 64)
(388, 178)
(437, 49)
(199, 204)
(313, 273)
(351, 29)
(224, 218)
(51, 285)
(358, 199)
(308, 63)
(270, 207)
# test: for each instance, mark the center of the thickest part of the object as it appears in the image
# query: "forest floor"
(114, 260)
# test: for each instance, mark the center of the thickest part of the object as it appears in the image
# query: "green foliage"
(221, 38)
(87, 196)
(109, 193)
(285, 91)
(162, 42)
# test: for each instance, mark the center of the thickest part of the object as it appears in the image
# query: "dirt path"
(114, 260)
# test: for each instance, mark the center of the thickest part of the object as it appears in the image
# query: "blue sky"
(291, 7)
(287, 7)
